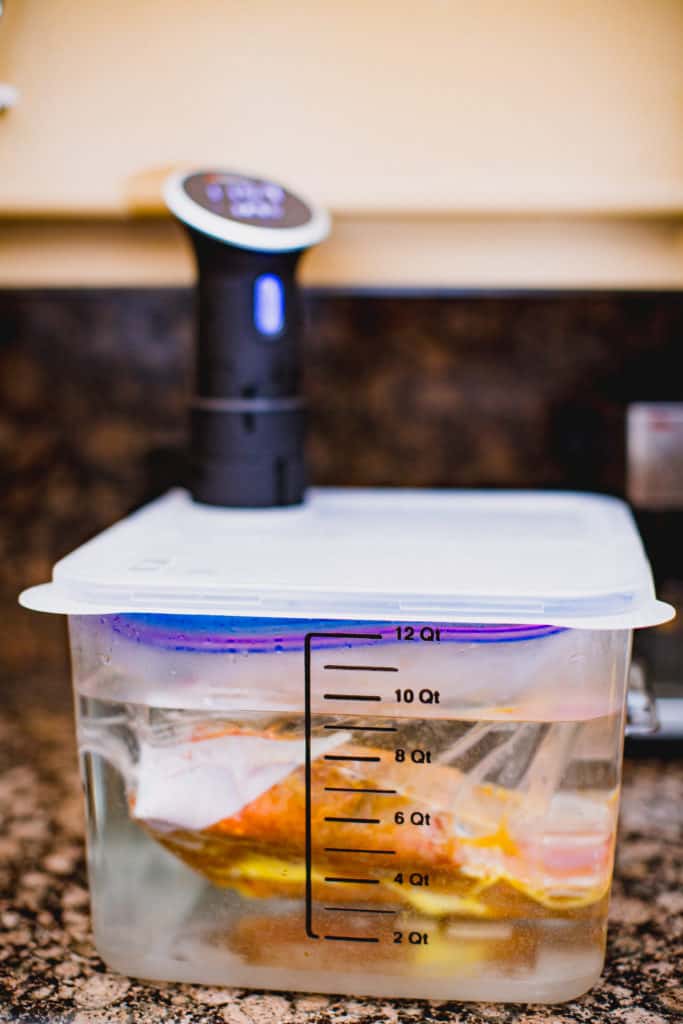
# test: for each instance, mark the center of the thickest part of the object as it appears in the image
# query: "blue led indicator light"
(269, 305)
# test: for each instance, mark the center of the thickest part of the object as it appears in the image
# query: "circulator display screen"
(247, 200)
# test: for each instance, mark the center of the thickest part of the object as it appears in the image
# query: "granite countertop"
(50, 972)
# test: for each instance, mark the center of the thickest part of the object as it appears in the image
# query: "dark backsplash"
(443, 390)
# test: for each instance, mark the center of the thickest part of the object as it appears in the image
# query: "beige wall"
(547, 133)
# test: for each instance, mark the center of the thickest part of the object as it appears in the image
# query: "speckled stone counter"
(50, 972)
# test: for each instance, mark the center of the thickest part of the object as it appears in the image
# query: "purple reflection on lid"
(223, 635)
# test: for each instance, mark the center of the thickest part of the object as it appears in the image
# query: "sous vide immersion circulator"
(247, 417)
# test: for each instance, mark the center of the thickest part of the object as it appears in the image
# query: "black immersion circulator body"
(247, 419)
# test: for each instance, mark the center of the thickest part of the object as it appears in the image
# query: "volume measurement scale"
(440, 830)
(320, 918)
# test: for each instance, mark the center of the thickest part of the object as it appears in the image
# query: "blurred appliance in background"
(654, 475)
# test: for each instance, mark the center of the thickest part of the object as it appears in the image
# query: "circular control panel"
(249, 212)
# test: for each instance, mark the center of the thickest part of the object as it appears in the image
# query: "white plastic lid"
(386, 555)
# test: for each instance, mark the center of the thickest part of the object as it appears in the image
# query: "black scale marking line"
(360, 910)
(353, 849)
(352, 881)
(359, 789)
(363, 728)
(350, 696)
(360, 668)
(349, 757)
(357, 821)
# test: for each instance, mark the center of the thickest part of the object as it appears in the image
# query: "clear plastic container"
(284, 794)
